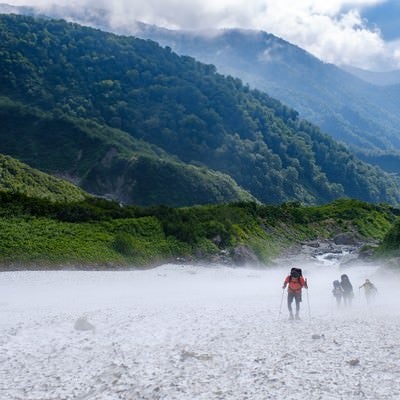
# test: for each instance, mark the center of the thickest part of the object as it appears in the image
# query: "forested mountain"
(16, 177)
(108, 162)
(179, 105)
(351, 110)
(363, 116)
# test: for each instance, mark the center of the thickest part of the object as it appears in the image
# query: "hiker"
(347, 287)
(370, 290)
(295, 283)
(337, 291)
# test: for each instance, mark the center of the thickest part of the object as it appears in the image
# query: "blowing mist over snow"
(186, 332)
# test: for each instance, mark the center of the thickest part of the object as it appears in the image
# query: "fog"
(197, 332)
(80, 291)
(336, 31)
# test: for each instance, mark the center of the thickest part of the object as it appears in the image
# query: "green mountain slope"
(362, 115)
(183, 107)
(16, 177)
(108, 162)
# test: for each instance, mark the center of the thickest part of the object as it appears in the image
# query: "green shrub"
(391, 242)
(124, 243)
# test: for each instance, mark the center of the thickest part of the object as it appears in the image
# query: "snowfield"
(191, 333)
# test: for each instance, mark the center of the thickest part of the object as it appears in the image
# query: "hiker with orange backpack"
(295, 283)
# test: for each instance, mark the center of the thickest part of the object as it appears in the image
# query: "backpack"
(345, 282)
(295, 273)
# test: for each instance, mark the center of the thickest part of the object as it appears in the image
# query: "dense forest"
(173, 103)
(364, 117)
(108, 162)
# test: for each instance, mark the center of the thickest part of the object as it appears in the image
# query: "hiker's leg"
(290, 301)
(298, 300)
(290, 298)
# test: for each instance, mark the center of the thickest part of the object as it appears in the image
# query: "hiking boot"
(297, 317)
(291, 316)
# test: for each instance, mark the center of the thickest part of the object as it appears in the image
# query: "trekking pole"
(308, 304)
(280, 307)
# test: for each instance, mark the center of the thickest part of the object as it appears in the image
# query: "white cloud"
(332, 30)
(335, 33)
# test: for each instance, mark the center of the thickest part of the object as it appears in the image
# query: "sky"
(361, 33)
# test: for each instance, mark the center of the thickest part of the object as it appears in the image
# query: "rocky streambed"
(343, 250)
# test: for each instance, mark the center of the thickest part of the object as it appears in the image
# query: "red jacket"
(295, 284)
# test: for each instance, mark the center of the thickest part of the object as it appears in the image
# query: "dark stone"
(244, 255)
(348, 239)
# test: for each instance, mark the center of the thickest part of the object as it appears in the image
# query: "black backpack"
(295, 273)
(345, 283)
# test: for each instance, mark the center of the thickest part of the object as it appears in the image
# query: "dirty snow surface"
(191, 332)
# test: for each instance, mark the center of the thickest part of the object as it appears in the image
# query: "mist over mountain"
(94, 17)
(384, 78)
